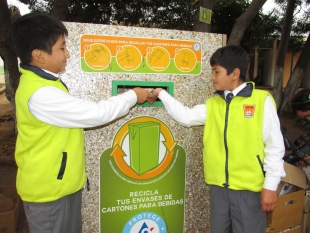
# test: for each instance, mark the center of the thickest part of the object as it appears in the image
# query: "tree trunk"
(60, 9)
(278, 78)
(295, 80)
(200, 26)
(243, 22)
(11, 71)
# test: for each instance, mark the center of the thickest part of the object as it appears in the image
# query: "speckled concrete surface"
(188, 89)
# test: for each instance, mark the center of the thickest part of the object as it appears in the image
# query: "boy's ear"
(236, 73)
(37, 56)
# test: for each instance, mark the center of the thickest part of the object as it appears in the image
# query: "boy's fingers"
(150, 100)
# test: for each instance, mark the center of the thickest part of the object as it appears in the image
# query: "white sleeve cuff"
(271, 183)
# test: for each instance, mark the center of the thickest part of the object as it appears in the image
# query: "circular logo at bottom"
(145, 222)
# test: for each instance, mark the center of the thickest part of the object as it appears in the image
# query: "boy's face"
(222, 81)
(56, 62)
(303, 114)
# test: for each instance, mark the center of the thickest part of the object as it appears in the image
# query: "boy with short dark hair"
(50, 143)
(300, 103)
(243, 144)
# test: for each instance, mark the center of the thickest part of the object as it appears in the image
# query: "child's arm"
(142, 94)
(274, 152)
(154, 95)
(182, 114)
(56, 107)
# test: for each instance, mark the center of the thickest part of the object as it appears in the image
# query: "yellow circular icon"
(185, 60)
(97, 56)
(157, 58)
(128, 57)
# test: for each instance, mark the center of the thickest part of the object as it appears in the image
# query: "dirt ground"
(8, 137)
(7, 163)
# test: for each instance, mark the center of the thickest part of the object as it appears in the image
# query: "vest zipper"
(226, 184)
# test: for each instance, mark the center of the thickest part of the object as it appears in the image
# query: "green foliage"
(258, 33)
(1, 70)
(224, 15)
(300, 24)
(169, 14)
(178, 14)
(264, 27)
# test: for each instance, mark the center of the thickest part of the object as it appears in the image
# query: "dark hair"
(35, 31)
(301, 100)
(231, 57)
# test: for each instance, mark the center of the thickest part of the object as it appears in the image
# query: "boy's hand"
(142, 94)
(268, 200)
(153, 96)
(304, 163)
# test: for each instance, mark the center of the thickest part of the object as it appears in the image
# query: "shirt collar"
(235, 91)
(55, 75)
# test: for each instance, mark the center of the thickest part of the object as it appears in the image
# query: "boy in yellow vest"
(50, 143)
(243, 144)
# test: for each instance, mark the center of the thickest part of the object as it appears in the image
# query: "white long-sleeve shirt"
(272, 136)
(56, 107)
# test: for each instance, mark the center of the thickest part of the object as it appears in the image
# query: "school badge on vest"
(248, 110)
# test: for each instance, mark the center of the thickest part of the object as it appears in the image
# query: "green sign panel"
(120, 54)
(205, 15)
(142, 180)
